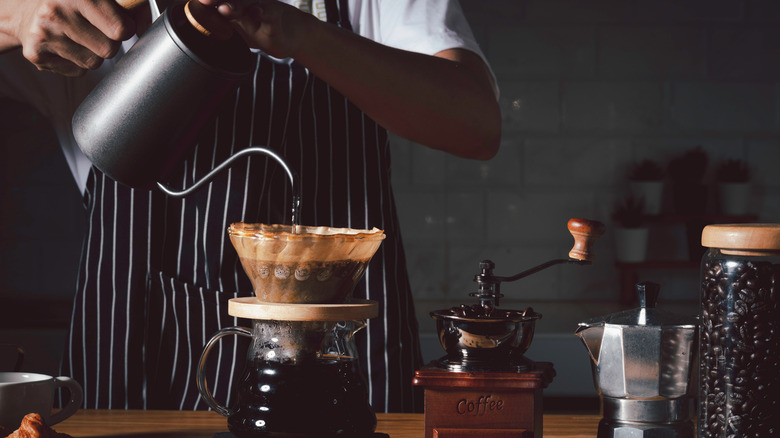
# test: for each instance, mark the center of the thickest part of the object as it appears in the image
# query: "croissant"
(33, 426)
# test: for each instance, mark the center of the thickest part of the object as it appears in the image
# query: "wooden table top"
(204, 424)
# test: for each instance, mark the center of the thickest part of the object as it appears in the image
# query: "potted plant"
(646, 181)
(687, 173)
(733, 186)
(630, 233)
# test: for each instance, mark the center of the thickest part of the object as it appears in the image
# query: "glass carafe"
(301, 378)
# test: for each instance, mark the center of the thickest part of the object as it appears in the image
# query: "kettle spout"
(591, 336)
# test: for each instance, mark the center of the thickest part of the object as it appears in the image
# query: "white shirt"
(422, 26)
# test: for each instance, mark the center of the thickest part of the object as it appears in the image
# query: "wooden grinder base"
(484, 404)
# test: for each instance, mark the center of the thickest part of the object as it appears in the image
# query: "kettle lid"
(646, 314)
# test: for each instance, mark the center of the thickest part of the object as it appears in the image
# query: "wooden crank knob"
(585, 232)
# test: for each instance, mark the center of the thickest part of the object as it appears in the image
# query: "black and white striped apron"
(157, 272)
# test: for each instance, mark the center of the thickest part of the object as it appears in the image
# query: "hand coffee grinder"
(484, 386)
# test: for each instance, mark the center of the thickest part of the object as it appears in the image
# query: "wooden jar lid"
(253, 308)
(747, 239)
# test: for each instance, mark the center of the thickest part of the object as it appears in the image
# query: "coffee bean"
(739, 338)
(742, 308)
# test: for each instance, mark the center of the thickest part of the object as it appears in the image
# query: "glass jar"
(739, 355)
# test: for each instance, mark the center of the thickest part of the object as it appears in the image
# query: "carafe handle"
(201, 376)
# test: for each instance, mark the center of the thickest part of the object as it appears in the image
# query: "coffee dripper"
(643, 362)
(301, 375)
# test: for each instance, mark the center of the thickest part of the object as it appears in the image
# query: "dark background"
(587, 89)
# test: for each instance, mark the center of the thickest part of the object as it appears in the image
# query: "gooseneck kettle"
(138, 122)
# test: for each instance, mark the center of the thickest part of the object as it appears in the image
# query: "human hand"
(276, 28)
(70, 37)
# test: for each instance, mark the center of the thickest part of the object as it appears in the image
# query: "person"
(331, 77)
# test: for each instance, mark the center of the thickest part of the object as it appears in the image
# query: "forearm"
(446, 104)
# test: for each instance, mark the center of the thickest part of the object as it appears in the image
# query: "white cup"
(26, 393)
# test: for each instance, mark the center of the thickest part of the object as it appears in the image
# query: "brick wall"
(587, 89)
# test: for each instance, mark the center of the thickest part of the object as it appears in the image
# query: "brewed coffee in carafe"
(277, 391)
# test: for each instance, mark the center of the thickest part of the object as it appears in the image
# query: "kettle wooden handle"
(130, 4)
(204, 19)
(208, 21)
(585, 232)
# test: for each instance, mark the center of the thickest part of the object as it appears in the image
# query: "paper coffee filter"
(311, 265)
(279, 243)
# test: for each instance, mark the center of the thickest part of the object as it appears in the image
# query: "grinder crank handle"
(204, 19)
(585, 232)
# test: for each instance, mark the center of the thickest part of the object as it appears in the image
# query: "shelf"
(659, 264)
(694, 224)
(700, 219)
